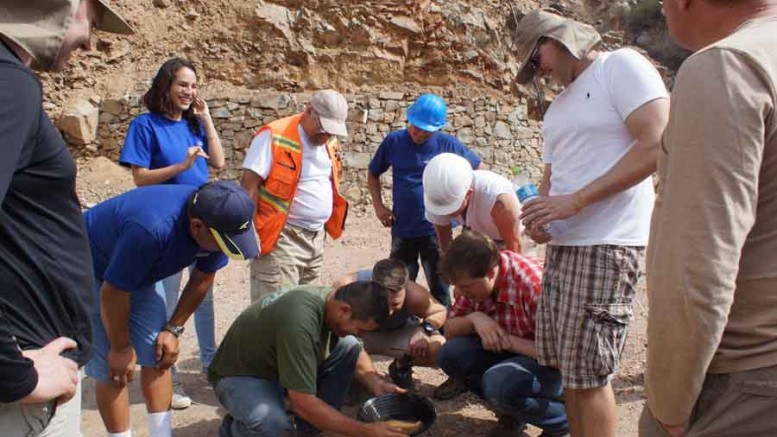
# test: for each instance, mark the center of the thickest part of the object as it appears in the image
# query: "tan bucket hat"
(39, 26)
(577, 37)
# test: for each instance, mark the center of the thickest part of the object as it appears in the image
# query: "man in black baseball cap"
(45, 263)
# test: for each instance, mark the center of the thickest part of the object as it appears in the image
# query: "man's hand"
(57, 375)
(493, 337)
(121, 366)
(379, 429)
(166, 349)
(537, 213)
(539, 235)
(191, 156)
(378, 385)
(418, 345)
(384, 215)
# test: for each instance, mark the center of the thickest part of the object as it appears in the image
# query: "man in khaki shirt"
(712, 266)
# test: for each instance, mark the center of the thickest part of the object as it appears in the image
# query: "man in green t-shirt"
(300, 344)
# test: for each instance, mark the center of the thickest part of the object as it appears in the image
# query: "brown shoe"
(449, 389)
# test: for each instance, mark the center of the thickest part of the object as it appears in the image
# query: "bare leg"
(157, 389)
(591, 412)
(113, 404)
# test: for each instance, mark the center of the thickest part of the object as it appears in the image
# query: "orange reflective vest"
(277, 192)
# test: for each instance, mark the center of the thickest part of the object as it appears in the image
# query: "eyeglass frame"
(535, 59)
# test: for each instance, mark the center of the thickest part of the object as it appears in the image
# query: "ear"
(343, 309)
(684, 5)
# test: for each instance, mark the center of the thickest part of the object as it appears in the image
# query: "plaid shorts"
(584, 310)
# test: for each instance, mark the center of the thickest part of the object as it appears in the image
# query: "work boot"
(507, 426)
(449, 389)
(401, 372)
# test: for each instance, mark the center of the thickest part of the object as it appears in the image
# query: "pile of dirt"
(99, 179)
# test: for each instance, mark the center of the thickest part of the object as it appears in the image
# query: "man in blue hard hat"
(407, 151)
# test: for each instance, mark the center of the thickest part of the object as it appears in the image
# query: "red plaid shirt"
(519, 285)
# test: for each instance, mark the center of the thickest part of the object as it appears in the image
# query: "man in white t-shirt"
(292, 171)
(602, 137)
(479, 199)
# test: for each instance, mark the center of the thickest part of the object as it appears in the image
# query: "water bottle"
(523, 186)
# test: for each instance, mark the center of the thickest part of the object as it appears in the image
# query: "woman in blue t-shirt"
(174, 143)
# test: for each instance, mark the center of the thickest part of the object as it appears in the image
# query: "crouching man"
(490, 334)
(411, 333)
(299, 345)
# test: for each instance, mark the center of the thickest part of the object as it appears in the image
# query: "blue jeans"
(255, 406)
(408, 250)
(204, 316)
(511, 384)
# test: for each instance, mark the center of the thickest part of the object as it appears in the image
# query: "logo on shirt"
(245, 225)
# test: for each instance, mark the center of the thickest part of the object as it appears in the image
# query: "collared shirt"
(518, 288)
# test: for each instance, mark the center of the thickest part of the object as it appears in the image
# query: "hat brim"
(526, 73)
(443, 209)
(112, 21)
(423, 126)
(238, 246)
(334, 127)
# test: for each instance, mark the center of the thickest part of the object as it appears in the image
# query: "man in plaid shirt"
(490, 335)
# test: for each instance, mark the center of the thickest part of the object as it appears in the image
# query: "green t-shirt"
(281, 337)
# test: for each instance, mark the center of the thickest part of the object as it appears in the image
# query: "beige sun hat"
(39, 26)
(577, 37)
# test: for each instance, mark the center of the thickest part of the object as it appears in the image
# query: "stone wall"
(497, 129)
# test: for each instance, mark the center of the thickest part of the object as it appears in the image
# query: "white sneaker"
(181, 400)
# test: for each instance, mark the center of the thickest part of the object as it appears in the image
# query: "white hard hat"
(447, 178)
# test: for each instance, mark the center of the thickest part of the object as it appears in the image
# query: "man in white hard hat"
(597, 183)
(479, 199)
(45, 262)
(292, 170)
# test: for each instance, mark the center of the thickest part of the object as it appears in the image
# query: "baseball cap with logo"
(577, 37)
(228, 212)
(332, 109)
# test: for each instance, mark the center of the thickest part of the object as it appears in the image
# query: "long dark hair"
(157, 99)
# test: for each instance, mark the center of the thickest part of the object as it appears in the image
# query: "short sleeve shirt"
(283, 337)
(518, 290)
(407, 161)
(155, 141)
(142, 236)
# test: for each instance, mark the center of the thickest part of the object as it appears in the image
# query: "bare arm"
(421, 303)
(523, 346)
(506, 215)
(191, 296)
(646, 124)
(444, 236)
(384, 214)
(144, 176)
(215, 149)
(459, 327)
(251, 182)
(321, 415)
(115, 315)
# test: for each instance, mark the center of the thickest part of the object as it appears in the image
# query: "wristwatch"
(429, 329)
(175, 330)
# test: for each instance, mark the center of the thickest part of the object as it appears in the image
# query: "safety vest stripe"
(279, 204)
(286, 143)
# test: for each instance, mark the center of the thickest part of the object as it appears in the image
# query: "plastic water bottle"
(523, 185)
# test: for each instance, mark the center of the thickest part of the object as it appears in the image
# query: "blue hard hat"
(428, 113)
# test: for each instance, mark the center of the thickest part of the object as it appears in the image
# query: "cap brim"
(239, 246)
(525, 74)
(334, 127)
(112, 21)
(442, 210)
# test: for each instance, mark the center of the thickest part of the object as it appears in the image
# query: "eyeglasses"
(535, 60)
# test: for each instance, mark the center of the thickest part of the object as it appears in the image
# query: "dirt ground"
(364, 242)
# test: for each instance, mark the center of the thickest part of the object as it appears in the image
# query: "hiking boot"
(181, 400)
(507, 426)
(401, 372)
(449, 389)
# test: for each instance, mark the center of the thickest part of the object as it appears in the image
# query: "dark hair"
(472, 253)
(368, 300)
(157, 99)
(391, 273)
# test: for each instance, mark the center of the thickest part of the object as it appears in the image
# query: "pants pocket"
(607, 324)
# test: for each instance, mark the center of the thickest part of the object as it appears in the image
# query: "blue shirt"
(408, 160)
(142, 236)
(154, 141)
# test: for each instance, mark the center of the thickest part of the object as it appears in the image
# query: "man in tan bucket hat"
(45, 261)
(602, 135)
